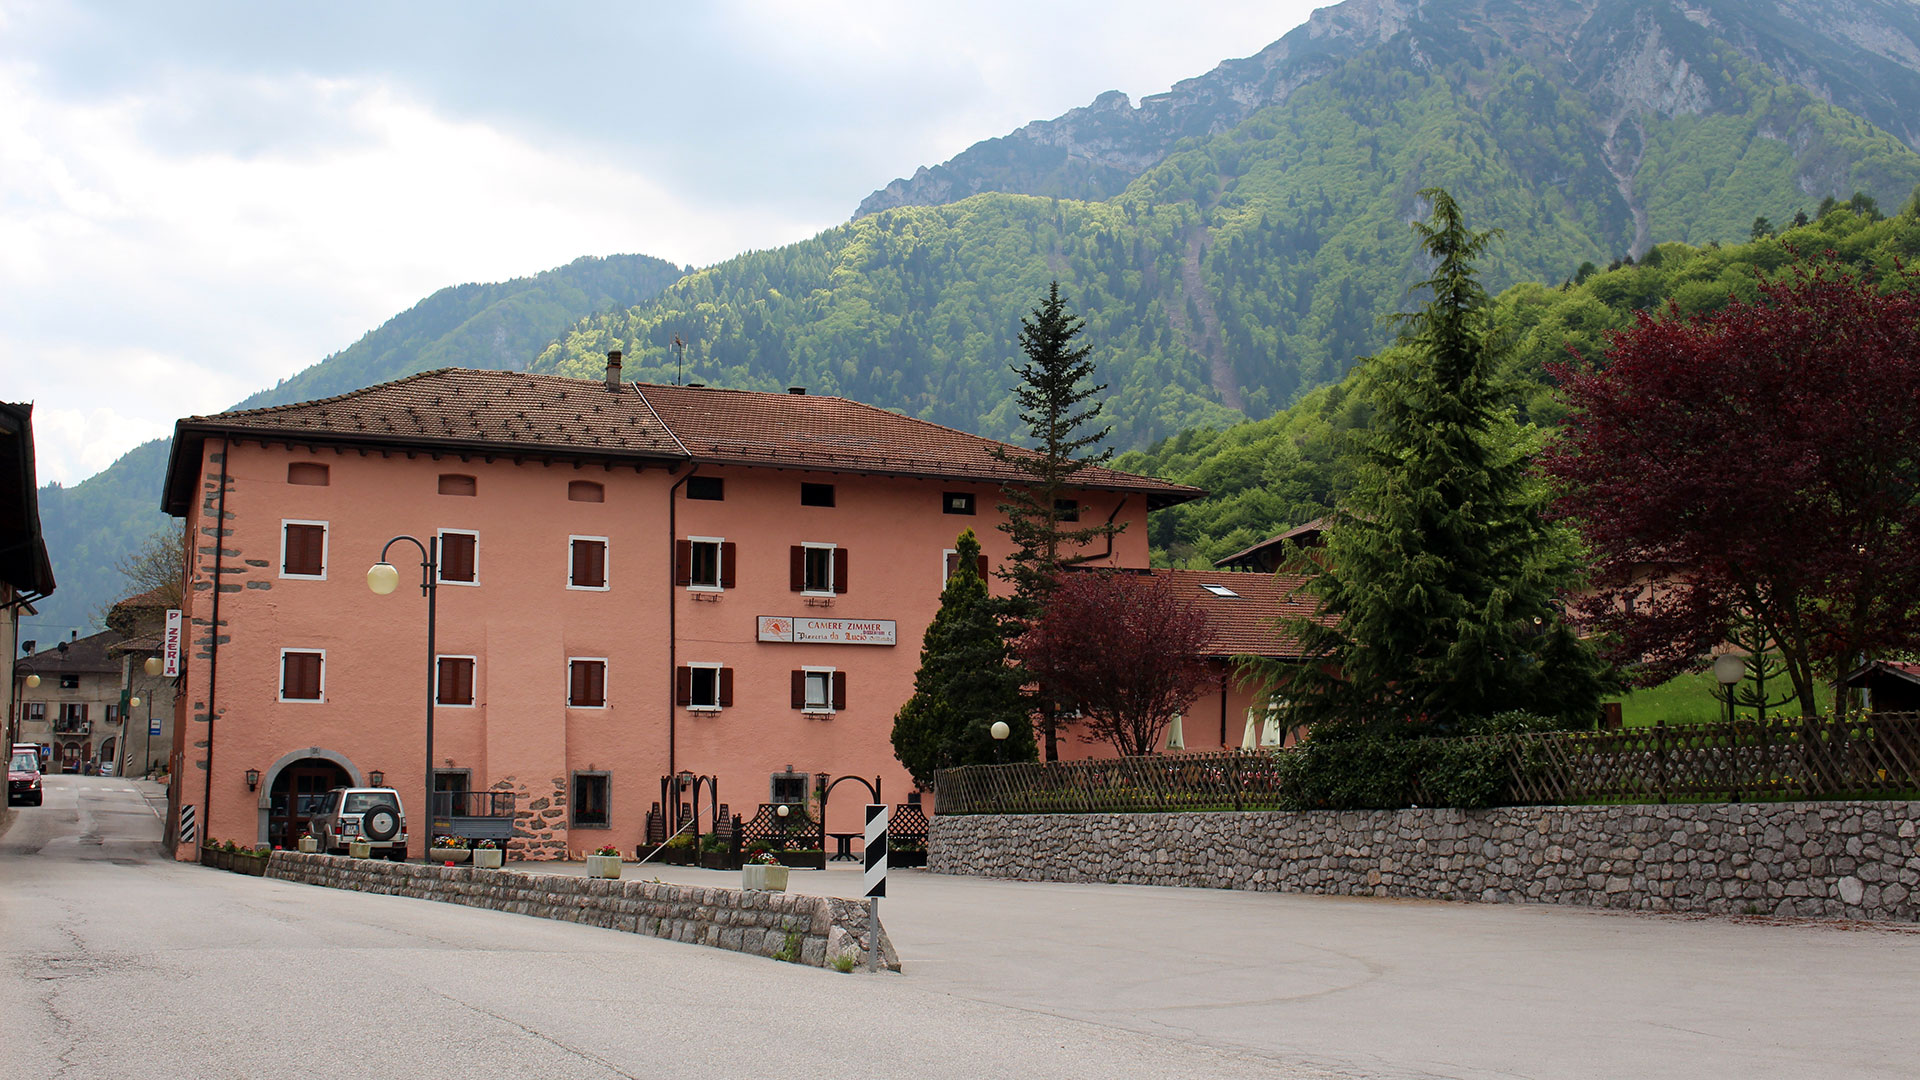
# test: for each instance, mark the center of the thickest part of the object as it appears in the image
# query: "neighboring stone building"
(75, 708)
(141, 621)
(635, 582)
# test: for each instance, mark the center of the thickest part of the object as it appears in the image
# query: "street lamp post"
(1000, 731)
(1728, 670)
(382, 578)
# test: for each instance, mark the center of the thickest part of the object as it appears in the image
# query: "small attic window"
(1219, 590)
(308, 473)
(456, 484)
(585, 491)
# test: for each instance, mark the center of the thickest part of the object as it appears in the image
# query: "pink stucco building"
(635, 581)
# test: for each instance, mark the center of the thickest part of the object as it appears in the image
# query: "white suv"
(370, 814)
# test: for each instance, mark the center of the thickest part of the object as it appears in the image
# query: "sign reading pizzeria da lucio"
(806, 631)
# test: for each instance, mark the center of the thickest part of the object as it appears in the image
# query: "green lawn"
(1688, 699)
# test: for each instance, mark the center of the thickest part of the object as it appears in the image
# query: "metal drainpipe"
(213, 653)
(673, 639)
(1108, 554)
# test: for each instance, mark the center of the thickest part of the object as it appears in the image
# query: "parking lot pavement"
(1404, 988)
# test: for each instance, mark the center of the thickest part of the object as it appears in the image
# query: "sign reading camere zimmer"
(807, 631)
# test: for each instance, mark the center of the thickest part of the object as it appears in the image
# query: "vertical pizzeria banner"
(170, 645)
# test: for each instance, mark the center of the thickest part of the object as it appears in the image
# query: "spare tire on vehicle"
(380, 823)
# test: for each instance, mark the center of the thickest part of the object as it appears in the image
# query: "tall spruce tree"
(964, 684)
(1440, 573)
(1055, 384)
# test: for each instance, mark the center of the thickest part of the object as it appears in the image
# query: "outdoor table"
(843, 846)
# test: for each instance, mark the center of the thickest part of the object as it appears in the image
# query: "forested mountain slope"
(1267, 475)
(91, 526)
(1255, 260)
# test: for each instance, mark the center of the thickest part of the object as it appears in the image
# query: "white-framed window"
(459, 557)
(303, 549)
(705, 687)
(586, 682)
(817, 575)
(819, 690)
(705, 562)
(453, 681)
(587, 563)
(950, 562)
(303, 675)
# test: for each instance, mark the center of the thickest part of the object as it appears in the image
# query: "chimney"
(613, 370)
(797, 391)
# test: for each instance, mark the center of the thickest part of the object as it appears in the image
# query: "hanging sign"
(807, 631)
(171, 644)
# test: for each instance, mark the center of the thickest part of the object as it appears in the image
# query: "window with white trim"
(819, 690)
(819, 569)
(303, 549)
(704, 686)
(303, 675)
(587, 563)
(704, 562)
(459, 557)
(587, 682)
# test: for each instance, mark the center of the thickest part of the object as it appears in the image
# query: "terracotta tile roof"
(470, 410)
(1271, 550)
(88, 655)
(1243, 623)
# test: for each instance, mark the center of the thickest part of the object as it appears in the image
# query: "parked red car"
(23, 778)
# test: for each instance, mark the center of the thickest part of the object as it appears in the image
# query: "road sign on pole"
(876, 878)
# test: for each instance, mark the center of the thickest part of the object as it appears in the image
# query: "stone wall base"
(1851, 860)
(790, 926)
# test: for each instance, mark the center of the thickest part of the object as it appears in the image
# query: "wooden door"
(296, 796)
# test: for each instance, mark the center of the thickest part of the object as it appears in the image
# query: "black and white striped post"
(187, 829)
(876, 878)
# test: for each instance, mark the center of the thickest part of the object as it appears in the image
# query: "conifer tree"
(964, 684)
(1439, 572)
(1055, 384)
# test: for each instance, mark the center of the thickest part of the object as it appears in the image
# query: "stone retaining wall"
(1853, 860)
(793, 926)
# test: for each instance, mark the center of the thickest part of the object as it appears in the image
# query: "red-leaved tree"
(1124, 649)
(1760, 462)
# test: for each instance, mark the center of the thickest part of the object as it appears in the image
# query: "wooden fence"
(1871, 756)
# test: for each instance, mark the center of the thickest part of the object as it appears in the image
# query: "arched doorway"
(296, 795)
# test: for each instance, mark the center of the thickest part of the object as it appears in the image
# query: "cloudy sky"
(199, 199)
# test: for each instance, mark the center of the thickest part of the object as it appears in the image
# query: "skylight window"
(1220, 590)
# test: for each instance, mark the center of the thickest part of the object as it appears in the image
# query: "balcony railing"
(67, 726)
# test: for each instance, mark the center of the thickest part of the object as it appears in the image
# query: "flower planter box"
(763, 878)
(449, 854)
(802, 860)
(718, 860)
(209, 857)
(358, 850)
(250, 863)
(603, 866)
(310, 844)
(488, 858)
(678, 856)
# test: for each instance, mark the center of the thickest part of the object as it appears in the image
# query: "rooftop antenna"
(679, 369)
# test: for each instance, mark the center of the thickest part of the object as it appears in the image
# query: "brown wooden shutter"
(683, 562)
(683, 684)
(985, 566)
(797, 567)
(839, 689)
(597, 682)
(840, 570)
(799, 689)
(456, 681)
(457, 557)
(589, 564)
(727, 562)
(447, 692)
(300, 676)
(577, 682)
(304, 544)
(726, 686)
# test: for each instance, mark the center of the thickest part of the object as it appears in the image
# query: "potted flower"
(360, 848)
(763, 872)
(251, 860)
(309, 843)
(604, 863)
(449, 849)
(487, 855)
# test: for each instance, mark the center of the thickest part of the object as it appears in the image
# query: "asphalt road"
(120, 964)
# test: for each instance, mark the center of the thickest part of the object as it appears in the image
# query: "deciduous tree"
(1759, 462)
(1125, 650)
